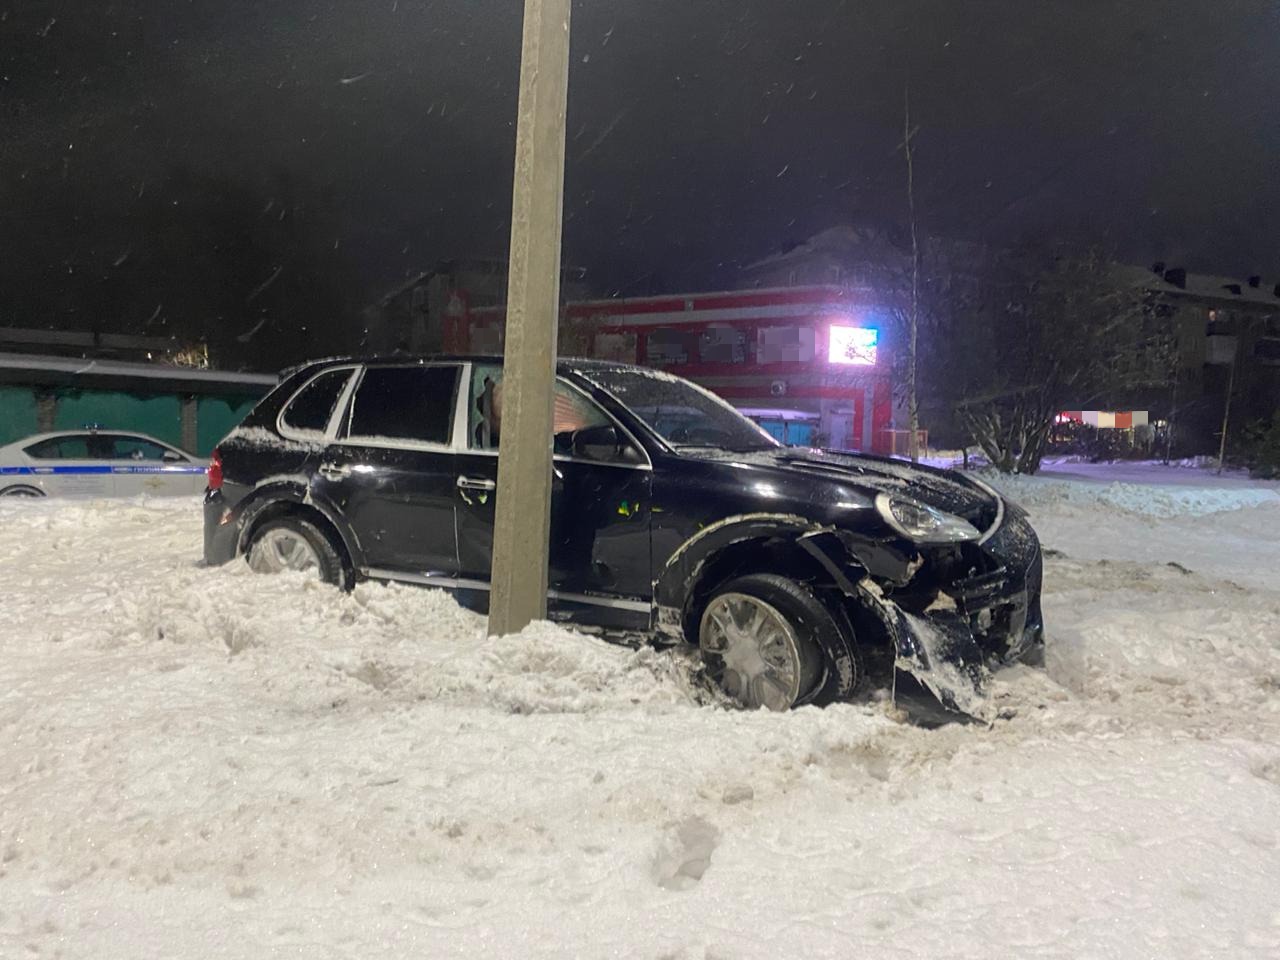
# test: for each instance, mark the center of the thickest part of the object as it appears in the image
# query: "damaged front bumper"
(972, 624)
(951, 614)
(954, 616)
(952, 660)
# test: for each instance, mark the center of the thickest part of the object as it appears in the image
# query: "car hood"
(943, 489)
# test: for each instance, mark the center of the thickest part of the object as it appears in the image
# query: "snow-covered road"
(208, 763)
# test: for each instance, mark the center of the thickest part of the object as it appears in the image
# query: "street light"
(522, 519)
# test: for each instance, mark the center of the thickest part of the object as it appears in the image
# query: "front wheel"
(768, 641)
(292, 543)
(21, 491)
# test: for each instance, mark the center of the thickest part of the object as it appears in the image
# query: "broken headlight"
(922, 523)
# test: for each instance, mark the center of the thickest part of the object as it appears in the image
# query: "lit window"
(854, 345)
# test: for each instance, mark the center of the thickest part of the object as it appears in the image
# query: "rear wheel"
(768, 641)
(292, 543)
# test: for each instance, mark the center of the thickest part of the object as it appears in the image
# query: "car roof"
(35, 437)
(385, 360)
(24, 442)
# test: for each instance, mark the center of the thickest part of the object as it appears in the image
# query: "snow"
(214, 764)
(1231, 488)
(1217, 526)
(299, 440)
(1162, 502)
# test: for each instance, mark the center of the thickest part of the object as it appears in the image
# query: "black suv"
(674, 519)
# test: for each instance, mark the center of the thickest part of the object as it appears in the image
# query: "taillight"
(215, 470)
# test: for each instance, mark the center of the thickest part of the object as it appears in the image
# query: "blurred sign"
(1106, 419)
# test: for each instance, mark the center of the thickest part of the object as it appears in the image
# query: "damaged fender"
(674, 591)
(938, 650)
(671, 589)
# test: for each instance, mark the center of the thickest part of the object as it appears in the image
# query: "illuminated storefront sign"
(855, 346)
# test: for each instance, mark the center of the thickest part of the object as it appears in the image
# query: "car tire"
(804, 646)
(294, 543)
(22, 491)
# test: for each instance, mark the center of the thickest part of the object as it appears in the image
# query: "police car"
(97, 463)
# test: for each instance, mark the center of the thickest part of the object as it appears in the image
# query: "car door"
(390, 470)
(140, 465)
(599, 559)
(71, 466)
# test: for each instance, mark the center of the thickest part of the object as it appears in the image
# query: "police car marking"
(45, 471)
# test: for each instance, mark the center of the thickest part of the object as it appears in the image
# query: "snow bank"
(212, 764)
(1062, 491)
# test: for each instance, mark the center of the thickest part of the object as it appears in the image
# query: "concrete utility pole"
(523, 510)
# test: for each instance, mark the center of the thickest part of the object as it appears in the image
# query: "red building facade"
(810, 356)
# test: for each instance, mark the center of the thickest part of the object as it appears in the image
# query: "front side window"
(572, 412)
(404, 404)
(309, 411)
(136, 448)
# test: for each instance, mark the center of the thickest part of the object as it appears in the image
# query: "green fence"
(218, 416)
(17, 414)
(160, 416)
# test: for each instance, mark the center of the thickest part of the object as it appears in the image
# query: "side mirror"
(597, 443)
(170, 457)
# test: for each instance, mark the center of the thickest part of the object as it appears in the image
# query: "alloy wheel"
(279, 549)
(753, 651)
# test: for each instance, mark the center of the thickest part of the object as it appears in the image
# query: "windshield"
(680, 412)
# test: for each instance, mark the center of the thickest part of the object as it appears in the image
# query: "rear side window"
(405, 403)
(311, 409)
(60, 448)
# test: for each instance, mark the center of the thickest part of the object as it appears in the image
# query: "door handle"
(470, 483)
(334, 471)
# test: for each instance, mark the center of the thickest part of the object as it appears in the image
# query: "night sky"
(702, 133)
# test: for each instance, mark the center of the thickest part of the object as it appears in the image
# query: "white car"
(97, 463)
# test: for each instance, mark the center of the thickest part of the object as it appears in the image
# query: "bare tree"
(1038, 333)
(1226, 410)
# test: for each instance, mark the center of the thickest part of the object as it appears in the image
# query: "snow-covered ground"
(208, 763)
